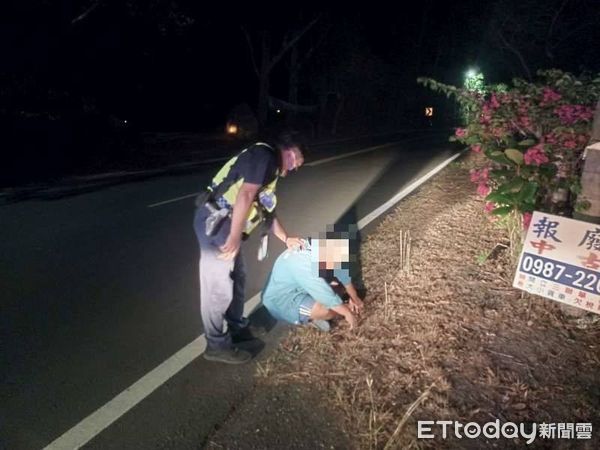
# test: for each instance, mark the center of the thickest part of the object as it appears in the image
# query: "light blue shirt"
(294, 276)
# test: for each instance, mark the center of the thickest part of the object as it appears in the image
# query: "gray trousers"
(222, 292)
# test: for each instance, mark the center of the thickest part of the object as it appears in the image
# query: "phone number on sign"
(563, 273)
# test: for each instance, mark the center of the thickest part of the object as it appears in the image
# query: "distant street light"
(232, 128)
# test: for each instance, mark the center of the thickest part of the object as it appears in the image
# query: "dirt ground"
(450, 339)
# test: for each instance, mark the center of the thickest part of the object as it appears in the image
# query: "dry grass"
(448, 339)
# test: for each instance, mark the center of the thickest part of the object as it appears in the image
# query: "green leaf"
(473, 139)
(548, 170)
(513, 185)
(499, 198)
(582, 206)
(502, 211)
(514, 155)
(527, 143)
(501, 173)
(499, 157)
(527, 194)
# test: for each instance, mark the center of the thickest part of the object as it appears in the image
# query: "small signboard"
(429, 111)
(561, 261)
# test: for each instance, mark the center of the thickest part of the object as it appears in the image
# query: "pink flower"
(474, 175)
(550, 96)
(526, 220)
(476, 148)
(483, 189)
(570, 114)
(460, 132)
(489, 207)
(498, 132)
(524, 121)
(535, 155)
(486, 115)
(570, 144)
(551, 138)
(494, 102)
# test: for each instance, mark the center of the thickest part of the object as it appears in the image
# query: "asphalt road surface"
(97, 290)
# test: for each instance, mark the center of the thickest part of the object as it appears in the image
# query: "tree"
(540, 35)
(265, 58)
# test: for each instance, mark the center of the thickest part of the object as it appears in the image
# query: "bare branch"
(251, 47)
(551, 28)
(514, 50)
(86, 13)
(572, 33)
(287, 45)
(311, 51)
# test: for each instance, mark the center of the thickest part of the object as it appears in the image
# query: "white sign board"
(561, 261)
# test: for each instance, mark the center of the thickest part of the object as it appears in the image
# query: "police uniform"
(222, 283)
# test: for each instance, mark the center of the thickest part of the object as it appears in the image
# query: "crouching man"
(301, 288)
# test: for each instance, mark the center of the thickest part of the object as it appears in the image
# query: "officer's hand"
(230, 249)
(294, 243)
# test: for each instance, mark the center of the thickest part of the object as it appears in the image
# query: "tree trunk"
(293, 80)
(338, 112)
(294, 76)
(263, 81)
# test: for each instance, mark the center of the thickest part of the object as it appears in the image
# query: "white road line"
(93, 424)
(183, 197)
(346, 155)
(99, 420)
(311, 164)
(403, 193)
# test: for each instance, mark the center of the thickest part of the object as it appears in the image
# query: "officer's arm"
(278, 230)
(243, 202)
(289, 241)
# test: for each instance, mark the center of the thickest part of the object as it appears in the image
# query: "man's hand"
(294, 243)
(356, 305)
(230, 249)
(351, 319)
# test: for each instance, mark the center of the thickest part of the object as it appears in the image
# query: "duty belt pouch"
(215, 219)
(263, 246)
(201, 199)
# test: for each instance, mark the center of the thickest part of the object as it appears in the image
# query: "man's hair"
(291, 138)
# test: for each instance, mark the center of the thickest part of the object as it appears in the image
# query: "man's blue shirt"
(294, 276)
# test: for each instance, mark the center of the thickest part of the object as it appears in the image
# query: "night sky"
(169, 65)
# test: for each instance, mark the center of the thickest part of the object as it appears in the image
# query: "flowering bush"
(532, 136)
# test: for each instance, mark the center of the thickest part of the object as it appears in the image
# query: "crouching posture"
(302, 286)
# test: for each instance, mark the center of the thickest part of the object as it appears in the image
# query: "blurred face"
(292, 159)
(334, 252)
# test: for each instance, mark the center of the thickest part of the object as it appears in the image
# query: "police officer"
(240, 199)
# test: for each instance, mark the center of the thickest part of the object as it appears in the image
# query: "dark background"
(80, 80)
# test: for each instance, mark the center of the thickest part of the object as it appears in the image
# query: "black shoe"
(242, 335)
(228, 356)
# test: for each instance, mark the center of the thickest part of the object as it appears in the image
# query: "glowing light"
(429, 111)
(232, 128)
(278, 111)
(471, 73)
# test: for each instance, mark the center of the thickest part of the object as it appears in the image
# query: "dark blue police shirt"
(257, 165)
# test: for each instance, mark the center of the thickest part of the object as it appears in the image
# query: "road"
(99, 289)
